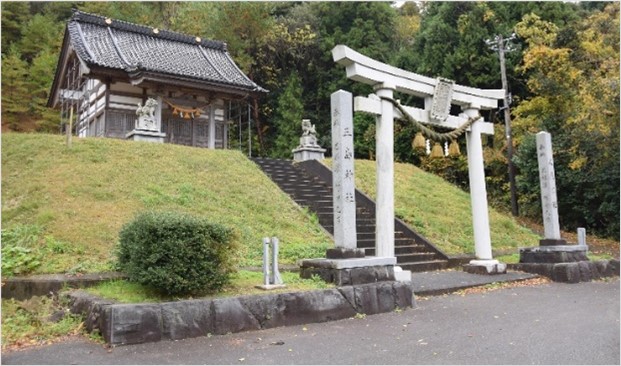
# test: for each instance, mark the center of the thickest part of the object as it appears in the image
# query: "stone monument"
(346, 264)
(147, 127)
(308, 149)
(343, 187)
(552, 249)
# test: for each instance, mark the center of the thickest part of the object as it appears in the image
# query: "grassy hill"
(68, 205)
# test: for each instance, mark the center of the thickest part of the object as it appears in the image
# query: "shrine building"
(109, 68)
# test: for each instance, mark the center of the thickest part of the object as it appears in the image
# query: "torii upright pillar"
(385, 171)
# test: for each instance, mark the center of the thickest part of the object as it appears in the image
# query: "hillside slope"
(69, 204)
(441, 212)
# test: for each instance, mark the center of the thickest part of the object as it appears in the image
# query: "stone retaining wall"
(138, 323)
(571, 272)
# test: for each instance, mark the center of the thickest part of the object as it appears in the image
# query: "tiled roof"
(135, 48)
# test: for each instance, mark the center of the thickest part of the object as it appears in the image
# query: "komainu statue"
(146, 115)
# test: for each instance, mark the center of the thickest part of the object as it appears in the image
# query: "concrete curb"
(22, 288)
(122, 324)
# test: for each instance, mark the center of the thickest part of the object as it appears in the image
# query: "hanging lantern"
(418, 141)
(437, 151)
(453, 149)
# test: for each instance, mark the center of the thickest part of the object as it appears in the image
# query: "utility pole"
(502, 45)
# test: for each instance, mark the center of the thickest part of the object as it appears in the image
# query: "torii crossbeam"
(438, 95)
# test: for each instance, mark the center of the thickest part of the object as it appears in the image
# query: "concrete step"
(316, 195)
(369, 243)
(402, 249)
(425, 266)
(415, 257)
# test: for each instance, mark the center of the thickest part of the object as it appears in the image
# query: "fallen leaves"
(504, 285)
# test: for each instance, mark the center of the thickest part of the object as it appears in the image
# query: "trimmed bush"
(176, 254)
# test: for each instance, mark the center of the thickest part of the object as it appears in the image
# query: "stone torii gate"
(438, 95)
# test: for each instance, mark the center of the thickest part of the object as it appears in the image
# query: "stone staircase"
(309, 184)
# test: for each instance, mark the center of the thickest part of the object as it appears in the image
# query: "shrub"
(176, 254)
(453, 169)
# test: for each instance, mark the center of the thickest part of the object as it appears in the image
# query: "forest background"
(563, 76)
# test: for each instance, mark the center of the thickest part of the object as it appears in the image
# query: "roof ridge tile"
(81, 16)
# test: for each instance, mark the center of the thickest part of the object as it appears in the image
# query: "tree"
(40, 32)
(287, 118)
(14, 15)
(576, 99)
(244, 26)
(407, 25)
(367, 27)
(14, 88)
(40, 84)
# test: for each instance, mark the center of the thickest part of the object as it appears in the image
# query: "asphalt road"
(554, 323)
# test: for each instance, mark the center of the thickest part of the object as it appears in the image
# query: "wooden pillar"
(212, 127)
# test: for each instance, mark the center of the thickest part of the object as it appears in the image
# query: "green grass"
(27, 322)
(441, 212)
(77, 199)
(68, 205)
(242, 283)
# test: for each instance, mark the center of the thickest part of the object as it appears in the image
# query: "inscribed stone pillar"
(547, 182)
(478, 192)
(344, 191)
(385, 206)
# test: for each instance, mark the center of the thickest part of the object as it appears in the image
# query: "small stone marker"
(271, 278)
(547, 182)
(344, 191)
(581, 236)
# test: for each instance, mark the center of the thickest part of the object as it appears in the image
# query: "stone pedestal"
(401, 275)
(552, 242)
(308, 149)
(554, 254)
(354, 271)
(487, 267)
(308, 153)
(146, 135)
(345, 253)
